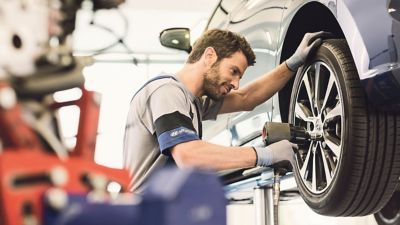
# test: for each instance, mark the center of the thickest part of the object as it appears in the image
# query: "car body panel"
(374, 41)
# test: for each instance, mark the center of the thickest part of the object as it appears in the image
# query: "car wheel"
(390, 213)
(350, 166)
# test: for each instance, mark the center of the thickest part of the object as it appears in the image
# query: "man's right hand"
(276, 152)
(310, 42)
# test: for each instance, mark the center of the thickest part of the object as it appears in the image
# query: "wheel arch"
(311, 17)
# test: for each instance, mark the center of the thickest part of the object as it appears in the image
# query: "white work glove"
(276, 152)
(310, 42)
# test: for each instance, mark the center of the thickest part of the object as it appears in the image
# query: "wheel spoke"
(302, 112)
(314, 172)
(309, 91)
(331, 82)
(303, 169)
(327, 171)
(333, 144)
(317, 87)
(330, 160)
(337, 111)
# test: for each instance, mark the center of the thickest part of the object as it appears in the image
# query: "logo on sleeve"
(181, 131)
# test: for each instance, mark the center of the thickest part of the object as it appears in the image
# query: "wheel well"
(312, 17)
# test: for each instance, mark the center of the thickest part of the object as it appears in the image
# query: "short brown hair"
(225, 43)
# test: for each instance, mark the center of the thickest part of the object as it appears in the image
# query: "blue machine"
(173, 197)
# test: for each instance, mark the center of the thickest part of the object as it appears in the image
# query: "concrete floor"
(292, 212)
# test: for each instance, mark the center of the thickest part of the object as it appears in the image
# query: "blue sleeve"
(172, 129)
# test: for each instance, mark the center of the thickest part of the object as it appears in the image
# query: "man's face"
(224, 75)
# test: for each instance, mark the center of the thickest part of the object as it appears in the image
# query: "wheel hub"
(318, 131)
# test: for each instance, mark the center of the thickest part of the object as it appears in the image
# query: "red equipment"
(36, 62)
(28, 168)
(26, 176)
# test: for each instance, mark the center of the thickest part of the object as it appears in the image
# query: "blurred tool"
(36, 36)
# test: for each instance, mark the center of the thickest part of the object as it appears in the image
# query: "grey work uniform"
(162, 114)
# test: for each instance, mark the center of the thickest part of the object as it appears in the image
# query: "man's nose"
(235, 83)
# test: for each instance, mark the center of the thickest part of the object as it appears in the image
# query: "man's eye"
(236, 72)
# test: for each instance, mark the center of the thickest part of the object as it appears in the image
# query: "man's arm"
(261, 89)
(257, 91)
(211, 156)
(202, 154)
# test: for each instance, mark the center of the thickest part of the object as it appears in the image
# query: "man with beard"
(164, 120)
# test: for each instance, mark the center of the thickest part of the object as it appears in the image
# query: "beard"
(212, 83)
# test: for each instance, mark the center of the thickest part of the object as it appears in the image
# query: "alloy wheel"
(318, 108)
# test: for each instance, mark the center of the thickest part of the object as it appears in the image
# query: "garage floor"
(292, 212)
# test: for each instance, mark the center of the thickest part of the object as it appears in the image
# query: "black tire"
(390, 213)
(356, 164)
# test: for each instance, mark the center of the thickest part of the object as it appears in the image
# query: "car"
(347, 94)
(390, 213)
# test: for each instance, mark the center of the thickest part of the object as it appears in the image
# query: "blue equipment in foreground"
(172, 197)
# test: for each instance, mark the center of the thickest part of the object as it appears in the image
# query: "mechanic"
(164, 120)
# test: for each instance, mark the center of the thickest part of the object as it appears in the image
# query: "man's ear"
(210, 56)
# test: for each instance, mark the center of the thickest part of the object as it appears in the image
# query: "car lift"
(264, 206)
(264, 184)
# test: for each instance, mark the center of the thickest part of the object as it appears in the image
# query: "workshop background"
(126, 50)
(116, 77)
